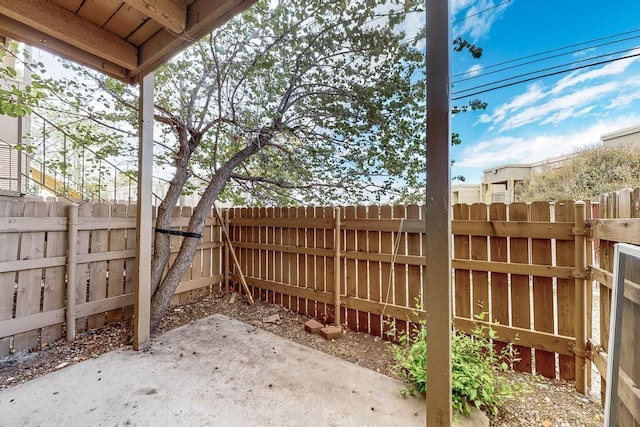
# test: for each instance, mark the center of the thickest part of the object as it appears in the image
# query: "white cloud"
(567, 113)
(584, 52)
(478, 18)
(538, 146)
(458, 5)
(474, 70)
(627, 96)
(609, 69)
(534, 93)
(570, 102)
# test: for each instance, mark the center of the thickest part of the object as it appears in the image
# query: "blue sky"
(549, 116)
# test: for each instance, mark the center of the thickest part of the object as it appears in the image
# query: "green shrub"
(476, 365)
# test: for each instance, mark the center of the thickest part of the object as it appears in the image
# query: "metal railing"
(57, 162)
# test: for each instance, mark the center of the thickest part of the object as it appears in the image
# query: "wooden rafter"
(172, 14)
(19, 31)
(202, 17)
(63, 25)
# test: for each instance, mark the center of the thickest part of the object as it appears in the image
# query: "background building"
(499, 183)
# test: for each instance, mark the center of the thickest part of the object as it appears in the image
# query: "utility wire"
(483, 74)
(542, 76)
(559, 49)
(482, 11)
(543, 70)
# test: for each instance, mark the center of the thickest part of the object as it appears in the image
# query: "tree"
(293, 102)
(588, 174)
(14, 100)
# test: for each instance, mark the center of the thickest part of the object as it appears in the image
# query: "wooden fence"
(526, 266)
(34, 267)
(515, 263)
(619, 222)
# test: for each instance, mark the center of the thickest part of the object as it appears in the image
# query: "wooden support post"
(225, 232)
(336, 268)
(72, 261)
(144, 237)
(227, 267)
(437, 281)
(581, 297)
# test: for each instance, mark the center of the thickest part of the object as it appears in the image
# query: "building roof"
(621, 132)
(125, 39)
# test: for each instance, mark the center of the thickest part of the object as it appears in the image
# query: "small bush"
(475, 367)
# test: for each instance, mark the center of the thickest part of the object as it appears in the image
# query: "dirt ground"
(541, 402)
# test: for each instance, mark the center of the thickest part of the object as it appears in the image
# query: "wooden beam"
(23, 33)
(623, 230)
(62, 24)
(172, 14)
(142, 317)
(437, 282)
(520, 336)
(203, 16)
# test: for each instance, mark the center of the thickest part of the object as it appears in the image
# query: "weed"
(475, 367)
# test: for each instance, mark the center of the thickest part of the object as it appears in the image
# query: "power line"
(559, 49)
(543, 76)
(482, 11)
(543, 70)
(548, 57)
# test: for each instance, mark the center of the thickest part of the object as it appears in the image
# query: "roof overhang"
(124, 39)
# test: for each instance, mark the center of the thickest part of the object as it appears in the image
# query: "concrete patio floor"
(214, 372)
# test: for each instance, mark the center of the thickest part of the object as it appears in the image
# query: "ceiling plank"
(18, 31)
(56, 21)
(203, 16)
(172, 14)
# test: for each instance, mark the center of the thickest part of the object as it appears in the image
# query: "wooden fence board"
(321, 278)
(32, 246)
(462, 278)
(312, 240)
(279, 255)
(350, 281)
(386, 246)
(414, 272)
(8, 252)
(375, 282)
(329, 261)
(400, 284)
(480, 279)
(53, 293)
(520, 286)
(301, 260)
(98, 269)
(362, 246)
(499, 281)
(130, 263)
(542, 291)
(566, 295)
(117, 242)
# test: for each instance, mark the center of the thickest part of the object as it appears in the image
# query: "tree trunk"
(164, 292)
(161, 247)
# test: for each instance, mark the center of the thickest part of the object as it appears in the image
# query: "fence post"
(580, 237)
(226, 249)
(72, 261)
(336, 268)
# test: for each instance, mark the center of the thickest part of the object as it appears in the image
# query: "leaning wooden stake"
(581, 297)
(233, 255)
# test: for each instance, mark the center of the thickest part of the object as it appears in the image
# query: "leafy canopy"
(340, 84)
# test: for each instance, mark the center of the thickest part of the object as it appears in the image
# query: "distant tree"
(589, 173)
